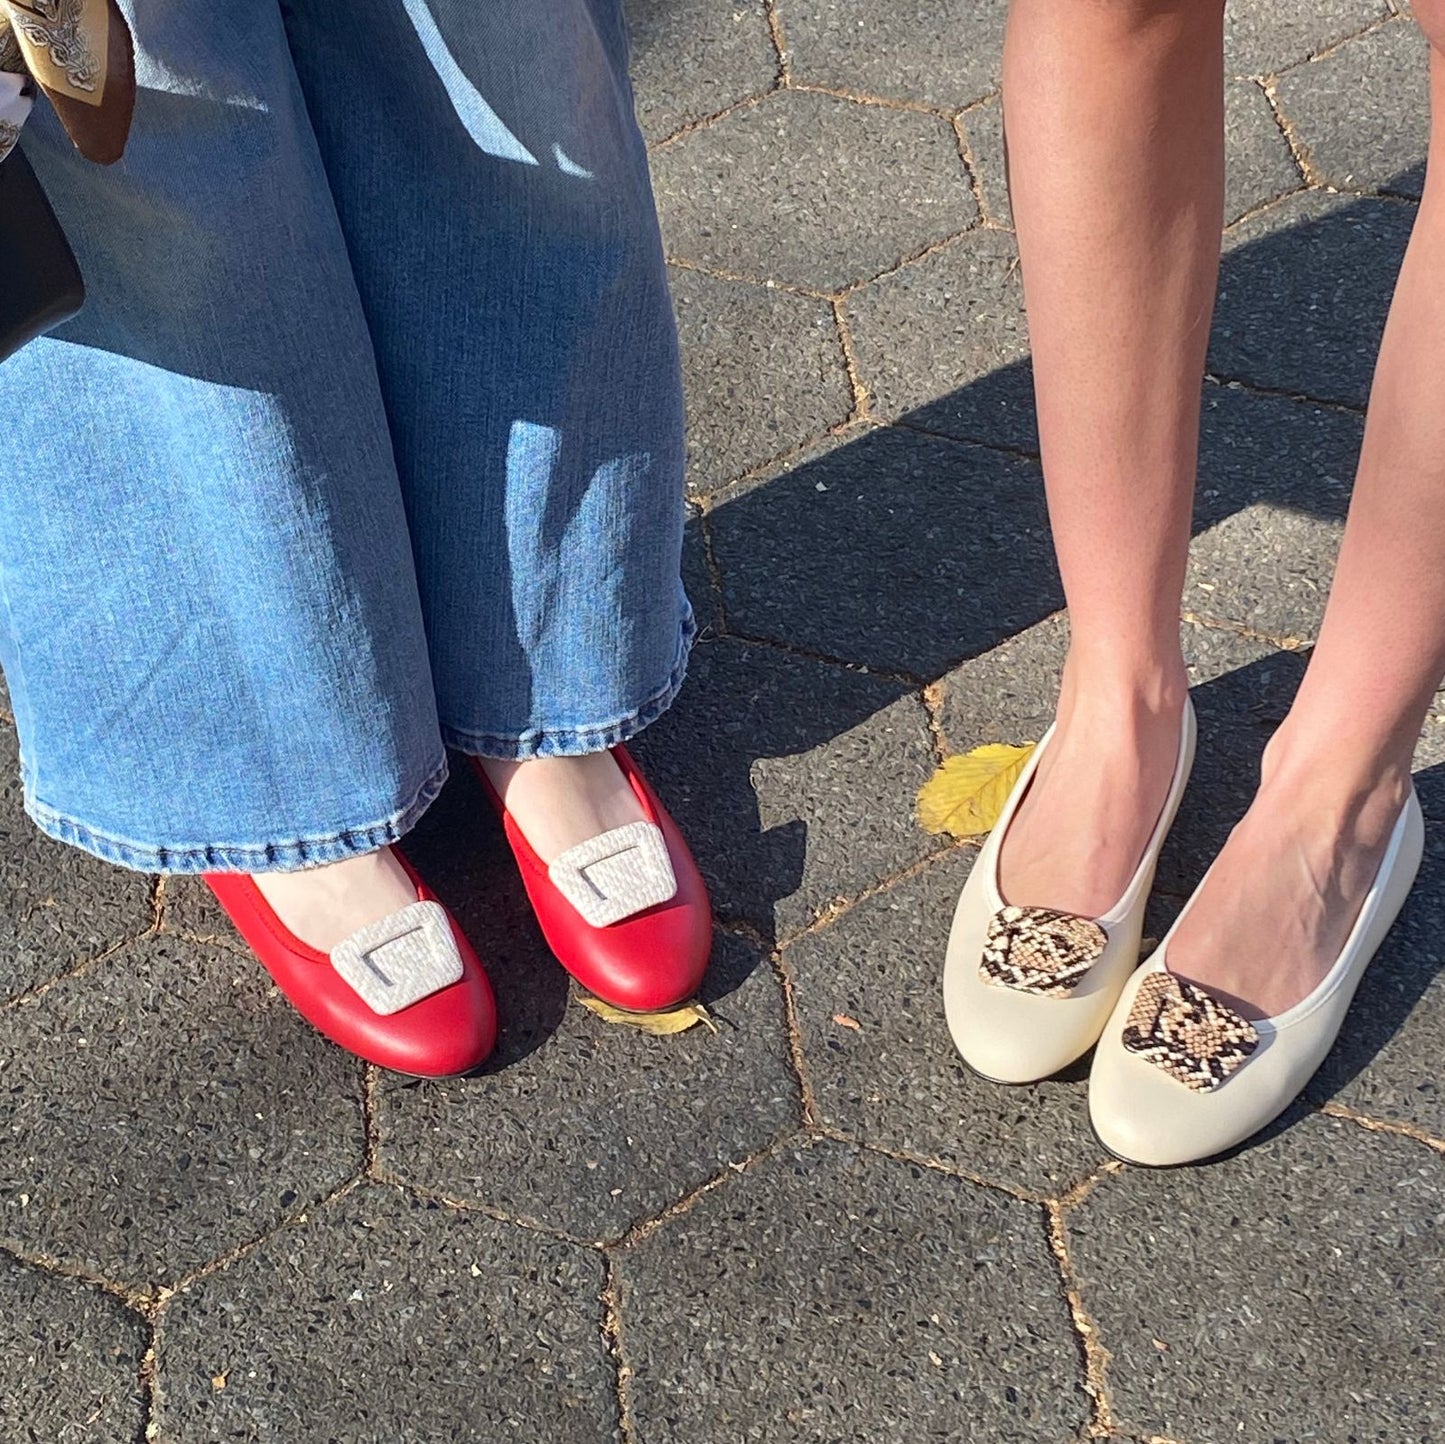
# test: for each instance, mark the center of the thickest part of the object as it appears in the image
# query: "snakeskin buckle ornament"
(1191, 1036)
(1037, 950)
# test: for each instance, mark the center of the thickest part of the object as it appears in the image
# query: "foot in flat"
(323, 905)
(1080, 830)
(559, 802)
(1279, 901)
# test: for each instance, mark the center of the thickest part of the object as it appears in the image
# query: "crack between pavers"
(1078, 1192)
(1244, 630)
(424, 1191)
(793, 1030)
(780, 42)
(1331, 47)
(933, 1164)
(714, 572)
(905, 423)
(765, 283)
(932, 698)
(611, 1300)
(77, 969)
(1093, 1355)
(221, 1262)
(861, 399)
(370, 1121)
(158, 903)
(143, 1300)
(944, 113)
(148, 1377)
(1382, 1125)
(639, 1232)
(720, 495)
(1298, 149)
(911, 258)
(911, 680)
(1280, 393)
(970, 165)
(704, 122)
(1260, 207)
(840, 906)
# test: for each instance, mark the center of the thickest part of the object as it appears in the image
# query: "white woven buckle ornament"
(616, 875)
(403, 958)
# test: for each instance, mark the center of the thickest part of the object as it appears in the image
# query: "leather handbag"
(40, 282)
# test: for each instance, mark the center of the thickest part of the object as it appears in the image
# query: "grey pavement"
(811, 1224)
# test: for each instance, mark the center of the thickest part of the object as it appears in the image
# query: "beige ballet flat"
(1028, 990)
(1180, 1077)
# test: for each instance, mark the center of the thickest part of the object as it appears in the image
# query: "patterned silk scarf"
(78, 54)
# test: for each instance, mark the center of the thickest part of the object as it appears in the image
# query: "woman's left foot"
(1274, 911)
(615, 888)
(1220, 1031)
(561, 801)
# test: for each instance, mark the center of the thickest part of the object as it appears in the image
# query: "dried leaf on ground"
(965, 796)
(674, 1020)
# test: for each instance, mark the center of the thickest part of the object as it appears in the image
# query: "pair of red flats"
(626, 913)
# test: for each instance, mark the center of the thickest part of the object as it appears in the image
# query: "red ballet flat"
(626, 913)
(407, 992)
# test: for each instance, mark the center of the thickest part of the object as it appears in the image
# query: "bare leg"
(1288, 885)
(1115, 129)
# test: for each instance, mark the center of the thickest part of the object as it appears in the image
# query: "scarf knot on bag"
(78, 54)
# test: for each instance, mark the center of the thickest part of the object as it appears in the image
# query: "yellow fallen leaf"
(218, 1381)
(674, 1020)
(965, 796)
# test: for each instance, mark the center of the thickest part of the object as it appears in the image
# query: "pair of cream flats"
(1177, 1075)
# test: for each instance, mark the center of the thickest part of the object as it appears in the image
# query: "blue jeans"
(367, 443)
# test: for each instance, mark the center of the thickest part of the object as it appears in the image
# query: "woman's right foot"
(1035, 964)
(1087, 817)
(366, 953)
(323, 905)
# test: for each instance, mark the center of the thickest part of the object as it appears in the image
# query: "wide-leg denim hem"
(578, 741)
(289, 855)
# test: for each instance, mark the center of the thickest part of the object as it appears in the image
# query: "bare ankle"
(1128, 691)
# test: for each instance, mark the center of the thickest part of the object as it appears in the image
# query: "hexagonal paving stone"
(940, 52)
(888, 1072)
(384, 1318)
(693, 58)
(70, 1359)
(1258, 163)
(812, 191)
(1261, 36)
(833, 1294)
(592, 1127)
(1303, 294)
(164, 1107)
(899, 551)
(1291, 1292)
(1274, 485)
(763, 369)
(945, 344)
(794, 780)
(58, 905)
(1362, 112)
